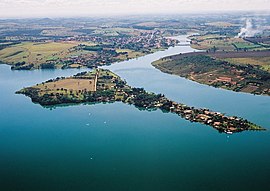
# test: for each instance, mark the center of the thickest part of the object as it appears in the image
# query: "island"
(212, 69)
(104, 86)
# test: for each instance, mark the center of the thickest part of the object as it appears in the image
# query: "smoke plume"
(250, 30)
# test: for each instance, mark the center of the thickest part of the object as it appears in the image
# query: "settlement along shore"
(102, 85)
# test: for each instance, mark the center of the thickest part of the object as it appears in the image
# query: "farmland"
(36, 53)
(103, 47)
(205, 69)
(262, 62)
(214, 42)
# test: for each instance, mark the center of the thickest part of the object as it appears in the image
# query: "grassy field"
(209, 41)
(75, 89)
(116, 31)
(246, 45)
(255, 58)
(59, 31)
(130, 54)
(33, 53)
(36, 53)
(223, 43)
(69, 84)
(263, 62)
(227, 46)
(221, 24)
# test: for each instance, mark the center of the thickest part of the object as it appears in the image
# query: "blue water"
(118, 147)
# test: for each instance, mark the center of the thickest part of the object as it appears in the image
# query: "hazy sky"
(64, 8)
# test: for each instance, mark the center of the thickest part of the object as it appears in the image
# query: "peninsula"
(211, 69)
(102, 85)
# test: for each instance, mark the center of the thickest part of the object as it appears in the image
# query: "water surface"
(118, 147)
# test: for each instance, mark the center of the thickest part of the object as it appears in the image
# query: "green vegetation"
(246, 45)
(93, 48)
(207, 70)
(217, 42)
(93, 52)
(104, 86)
(47, 66)
(35, 53)
(261, 62)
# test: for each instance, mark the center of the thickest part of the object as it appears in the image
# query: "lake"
(118, 147)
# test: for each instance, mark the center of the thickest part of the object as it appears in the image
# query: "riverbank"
(77, 52)
(104, 86)
(203, 68)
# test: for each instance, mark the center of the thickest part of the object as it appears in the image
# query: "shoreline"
(111, 88)
(219, 74)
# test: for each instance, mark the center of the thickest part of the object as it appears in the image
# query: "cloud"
(52, 8)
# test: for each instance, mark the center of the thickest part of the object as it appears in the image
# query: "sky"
(75, 8)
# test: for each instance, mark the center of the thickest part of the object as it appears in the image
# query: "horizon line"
(115, 15)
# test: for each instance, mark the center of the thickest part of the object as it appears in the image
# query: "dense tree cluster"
(48, 65)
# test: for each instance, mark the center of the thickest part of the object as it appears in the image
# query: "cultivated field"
(263, 62)
(36, 53)
(130, 54)
(70, 84)
(242, 54)
(221, 24)
(258, 58)
(224, 43)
